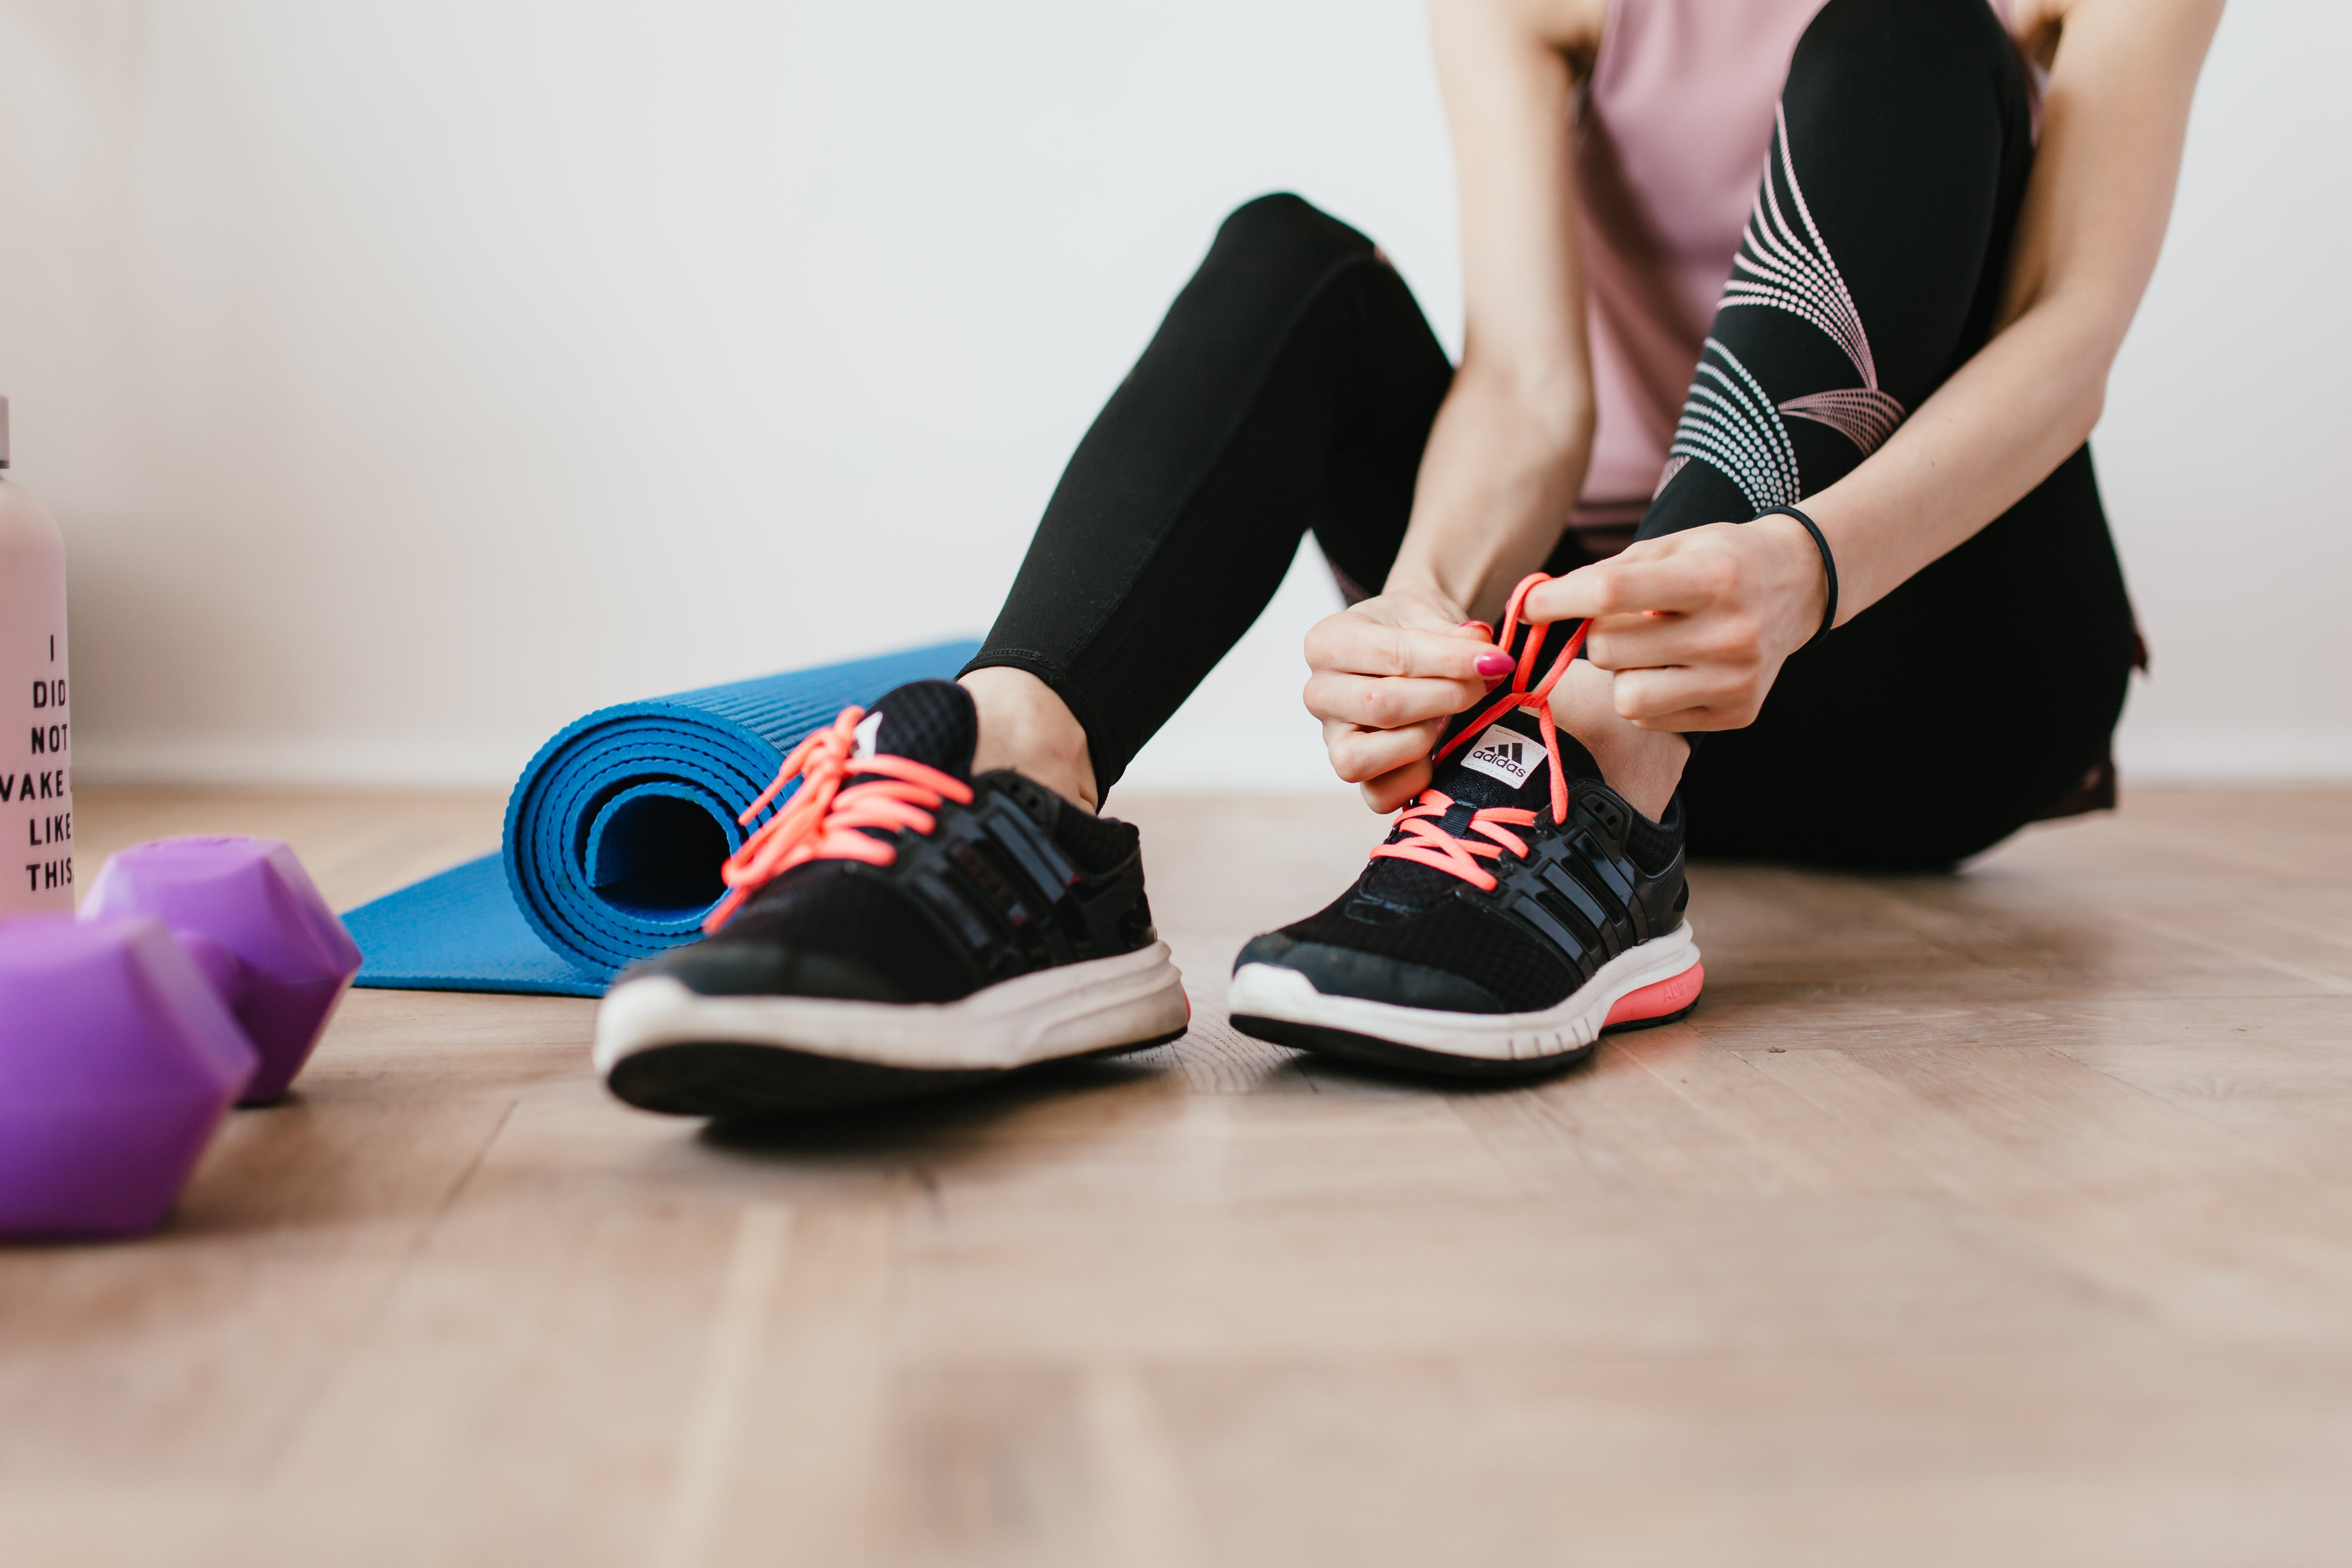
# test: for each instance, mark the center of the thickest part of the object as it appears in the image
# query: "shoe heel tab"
(1043, 805)
(1655, 847)
(1098, 842)
(1603, 807)
(1618, 812)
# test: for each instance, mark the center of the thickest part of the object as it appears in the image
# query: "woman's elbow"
(1548, 402)
(2081, 334)
(1568, 419)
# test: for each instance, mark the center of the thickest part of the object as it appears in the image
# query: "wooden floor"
(2002, 1218)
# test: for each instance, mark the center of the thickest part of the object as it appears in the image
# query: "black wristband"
(1828, 562)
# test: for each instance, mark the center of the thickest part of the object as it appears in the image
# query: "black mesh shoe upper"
(1606, 879)
(1016, 881)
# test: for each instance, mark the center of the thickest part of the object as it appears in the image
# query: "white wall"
(412, 378)
(2223, 449)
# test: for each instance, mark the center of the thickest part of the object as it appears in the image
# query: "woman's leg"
(1978, 694)
(1292, 386)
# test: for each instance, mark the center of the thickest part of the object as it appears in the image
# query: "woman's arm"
(1726, 604)
(1506, 456)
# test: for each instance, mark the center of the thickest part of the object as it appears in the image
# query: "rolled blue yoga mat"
(615, 834)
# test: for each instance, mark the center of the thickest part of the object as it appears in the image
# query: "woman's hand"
(1506, 455)
(1388, 674)
(1694, 626)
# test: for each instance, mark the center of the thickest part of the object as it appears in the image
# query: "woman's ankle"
(1644, 766)
(1024, 725)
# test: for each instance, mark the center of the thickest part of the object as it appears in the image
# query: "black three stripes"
(994, 881)
(1573, 892)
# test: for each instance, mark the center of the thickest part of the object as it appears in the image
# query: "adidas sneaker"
(899, 928)
(1519, 909)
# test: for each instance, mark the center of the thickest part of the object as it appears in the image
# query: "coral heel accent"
(1656, 1000)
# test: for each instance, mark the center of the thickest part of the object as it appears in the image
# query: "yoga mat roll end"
(615, 834)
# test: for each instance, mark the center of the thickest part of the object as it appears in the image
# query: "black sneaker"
(1520, 909)
(898, 929)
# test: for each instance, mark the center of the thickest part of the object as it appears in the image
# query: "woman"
(1840, 413)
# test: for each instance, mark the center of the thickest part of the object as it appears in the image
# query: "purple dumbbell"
(117, 1061)
(251, 918)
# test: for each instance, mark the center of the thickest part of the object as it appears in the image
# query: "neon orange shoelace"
(822, 822)
(1429, 844)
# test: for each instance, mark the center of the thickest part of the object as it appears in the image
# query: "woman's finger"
(1682, 721)
(1357, 644)
(1636, 642)
(1683, 580)
(1392, 789)
(1358, 754)
(1387, 703)
(1640, 642)
(1647, 696)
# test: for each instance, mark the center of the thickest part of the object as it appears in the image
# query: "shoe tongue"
(1502, 762)
(931, 722)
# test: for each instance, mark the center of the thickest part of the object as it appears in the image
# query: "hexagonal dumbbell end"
(250, 917)
(117, 1061)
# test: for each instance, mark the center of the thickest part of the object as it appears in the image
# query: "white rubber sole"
(1096, 1005)
(1268, 991)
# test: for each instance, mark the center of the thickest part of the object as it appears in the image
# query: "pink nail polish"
(1495, 664)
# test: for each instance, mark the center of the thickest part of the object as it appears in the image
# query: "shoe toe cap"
(1337, 971)
(723, 968)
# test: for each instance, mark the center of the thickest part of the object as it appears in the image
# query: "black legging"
(1293, 382)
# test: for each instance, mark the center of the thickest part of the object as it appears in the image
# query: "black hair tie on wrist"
(1828, 562)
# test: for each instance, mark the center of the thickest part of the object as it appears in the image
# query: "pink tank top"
(1669, 146)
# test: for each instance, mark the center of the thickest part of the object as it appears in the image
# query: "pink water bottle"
(36, 794)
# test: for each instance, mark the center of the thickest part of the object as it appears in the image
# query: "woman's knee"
(1889, 56)
(1906, 140)
(1286, 231)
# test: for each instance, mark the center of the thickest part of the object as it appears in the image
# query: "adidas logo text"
(1505, 754)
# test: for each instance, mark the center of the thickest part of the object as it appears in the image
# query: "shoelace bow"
(823, 821)
(1430, 845)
